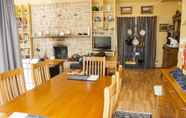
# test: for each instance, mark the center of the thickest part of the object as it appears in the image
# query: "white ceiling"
(147, 0)
(169, 0)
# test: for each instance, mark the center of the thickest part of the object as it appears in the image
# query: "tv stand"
(107, 53)
(99, 54)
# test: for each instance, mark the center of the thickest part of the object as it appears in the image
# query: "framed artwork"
(126, 10)
(164, 27)
(147, 9)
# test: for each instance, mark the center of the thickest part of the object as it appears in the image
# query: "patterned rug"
(123, 114)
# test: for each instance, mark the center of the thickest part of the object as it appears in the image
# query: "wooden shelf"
(70, 36)
(23, 16)
(104, 20)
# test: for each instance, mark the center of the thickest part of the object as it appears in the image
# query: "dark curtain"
(123, 24)
(9, 44)
(149, 25)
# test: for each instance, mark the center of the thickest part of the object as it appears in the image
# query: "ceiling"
(169, 0)
(147, 0)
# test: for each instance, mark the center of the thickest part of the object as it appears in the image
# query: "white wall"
(183, 35)
(53, 17)
(44, 1)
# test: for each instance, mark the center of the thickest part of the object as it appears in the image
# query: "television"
(102, 43)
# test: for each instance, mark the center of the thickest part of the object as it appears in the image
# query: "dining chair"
(59, 62)
(109, 99)
(118, 85)
(94, 66)
(40, 73)
(12, 84)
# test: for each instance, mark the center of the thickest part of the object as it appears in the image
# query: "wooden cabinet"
(170, 58)
(174, 105)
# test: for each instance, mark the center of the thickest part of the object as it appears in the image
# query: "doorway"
(137, 41)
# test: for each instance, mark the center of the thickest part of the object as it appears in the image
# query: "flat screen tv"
(102, 42)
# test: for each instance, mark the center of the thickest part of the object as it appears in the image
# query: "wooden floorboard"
(137, 91)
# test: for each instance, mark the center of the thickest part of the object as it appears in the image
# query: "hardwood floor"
(137, 93)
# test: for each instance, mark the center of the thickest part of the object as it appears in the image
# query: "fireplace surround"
(60, 52)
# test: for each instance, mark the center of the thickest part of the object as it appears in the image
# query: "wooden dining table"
(62, 98)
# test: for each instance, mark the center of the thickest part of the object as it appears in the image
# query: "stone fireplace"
(46, 46)
(53, 19)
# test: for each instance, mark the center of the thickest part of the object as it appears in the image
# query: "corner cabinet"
(170, 56)
(174, 99)
(23, 17)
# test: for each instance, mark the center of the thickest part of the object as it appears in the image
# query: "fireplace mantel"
(61, 37)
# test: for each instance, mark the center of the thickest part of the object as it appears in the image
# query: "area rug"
(123, 114)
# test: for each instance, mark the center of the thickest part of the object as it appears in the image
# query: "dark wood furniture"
(174, 97)
(170, 56)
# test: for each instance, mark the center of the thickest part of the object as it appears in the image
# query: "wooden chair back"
(12, 84)
(118, 85)
(59, 62)
(3, 115)
(109, 99)
(40, 73)
(94, 66)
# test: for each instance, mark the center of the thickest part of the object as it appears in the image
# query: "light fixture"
(142, 32)
(135, 41)
(129, 32)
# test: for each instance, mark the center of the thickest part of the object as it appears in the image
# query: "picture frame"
(164, 27)
(126, 10)
(147, 9)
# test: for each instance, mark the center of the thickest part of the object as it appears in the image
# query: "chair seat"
(54, 70)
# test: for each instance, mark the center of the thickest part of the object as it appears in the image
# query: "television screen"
(102, 42)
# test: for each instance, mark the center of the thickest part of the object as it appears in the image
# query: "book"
(93, 78)
(24, 115)
(85, 78)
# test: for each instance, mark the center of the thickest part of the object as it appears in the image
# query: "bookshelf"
(23, 16)
(104, 20)
(103, 17)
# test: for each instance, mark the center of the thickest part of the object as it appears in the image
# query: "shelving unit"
(23, 16)
(104, 20)
(103, 17)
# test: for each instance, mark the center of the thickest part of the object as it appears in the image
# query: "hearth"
(61, 52)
